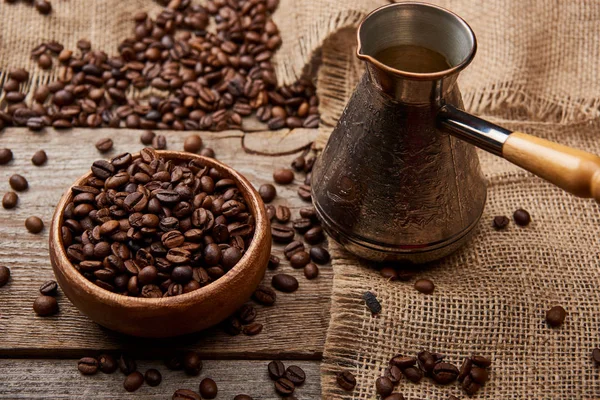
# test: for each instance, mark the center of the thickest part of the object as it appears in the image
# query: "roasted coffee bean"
(479, 375)
(319, 255)
(103, 145)
(270, 211)
(10, 200)
(372, 302)
(522, 217)
(299, 259)
(304, 192)
(346, 380)
(159, 142)
(389, 273)
(133, 381)
(470, 386)
(246, 314)
(175, 363)
(314, 235)
(207, 152)
(34, 224)
(501, 222)
(282, 233)
(311, 271)
(18, 183)
(153, 377)
(403, 362)
(6, 156)
(283, 176)
(87, 365)
(424, 286)
(295, 374)
(465, 369)
(4, 275)
(107, 364)
(555, 316)
(284, 283)
(242, 397)
(298, 163)
(302, 224)
(253, 329)
(481, 361)
(595, 352)
(146, 137)
(39, 158)
(44, 7)
(282, 214)
(264, 295)
(267, 192)
(426, 361)
(276, 369)
(126, 364)
(444, 373)
(413, 374)
(45, 306)
(49, 288)
(292, 248)
(192, 364)
(274, 262)
(192, 144)
(396, 396)
(185, 394)
(393, 373)
(284, 387)
(384, 386)
(20, 75)
(208, 388)
(232, 326)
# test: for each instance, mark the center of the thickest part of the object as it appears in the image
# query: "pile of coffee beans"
(45, 304)
(152, 227)
(44, 7)
(472, 374)
(206, 80)
(286, 379)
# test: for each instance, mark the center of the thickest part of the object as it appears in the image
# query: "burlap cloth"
(537, 70)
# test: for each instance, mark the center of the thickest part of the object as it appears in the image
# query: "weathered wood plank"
(59, 379)
(304, 314)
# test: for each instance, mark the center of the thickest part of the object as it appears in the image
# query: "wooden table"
(38, 356)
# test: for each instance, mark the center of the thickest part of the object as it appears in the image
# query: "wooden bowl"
(168, 316)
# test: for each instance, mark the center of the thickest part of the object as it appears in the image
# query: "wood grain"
(294, 328)
(60, 379)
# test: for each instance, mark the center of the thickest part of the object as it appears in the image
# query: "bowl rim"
(253, 200)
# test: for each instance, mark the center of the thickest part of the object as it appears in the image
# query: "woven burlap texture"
(535, 71)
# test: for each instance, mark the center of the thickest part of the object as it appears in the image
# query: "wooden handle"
(575, 171)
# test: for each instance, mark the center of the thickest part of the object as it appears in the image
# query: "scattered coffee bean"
(302, 225)
(465, 369)
(284, 387)
(282, 233)
(103, 145)
(393, 373)
(274, 262)
(522, 217)
(45, 61)
(556, 316)
(470, 386)
(232, 326)
(311, 271)
(283, 176)
(34, 224)
(49, 288)
(444, 373)
(18, 183)
(153, 377)
(372, 302)
(282, 214)
(501, 221)
(208, 388)
(384, 386)
(424, 286)
(107, 363)
(45, 306)
(413, 374)
(133, 381)
(295, 374)
(147, 137)
(346, 380)
(6, 156)
(395, 396)
(276, 370)
(4, 275)
(242, 397)
(185, 394)
(292, 248)
(299, 259)
(270, 209)
(246, 313)
(309, 213)
(426, 362)
(87, 365)
(126, 364)
(267, 192)
(314, 235)
(319, 255)
(299, 163)
(284, 283)
(39, 158)
(304, 192)
(264, 295)
(192, 364)
(207, 152)
(159, 142)
(403, 362)
(192, 144)
(595, 352)
(389, 273)
(10, 200)
(479, 375)
(481, 361)
(44, 7)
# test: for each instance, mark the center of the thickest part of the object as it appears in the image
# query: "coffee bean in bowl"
(130, 238)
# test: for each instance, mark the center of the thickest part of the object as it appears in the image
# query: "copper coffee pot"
(400, 178)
